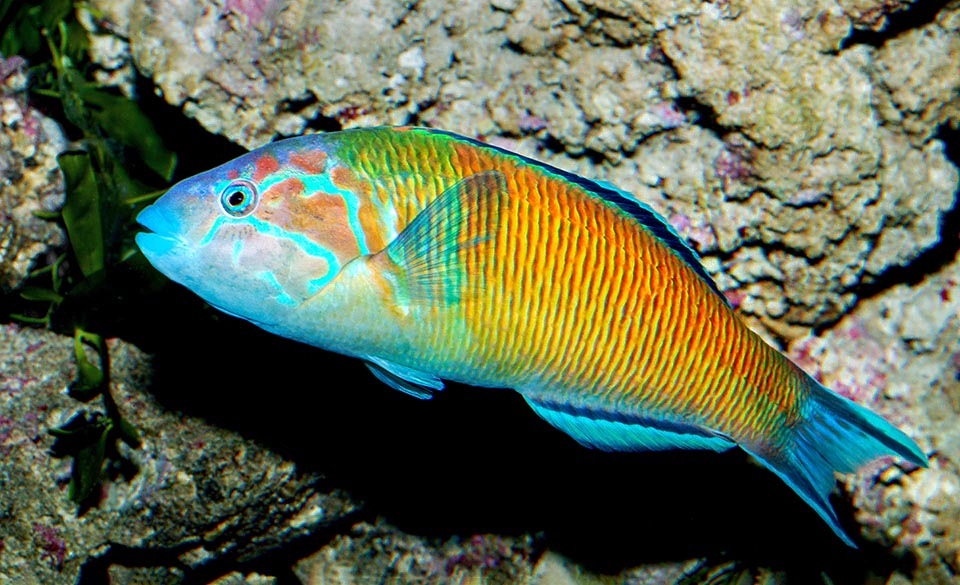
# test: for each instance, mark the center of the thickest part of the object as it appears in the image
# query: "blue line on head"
(323, 183)
(282, 297)
(304, 243)
(237, 248)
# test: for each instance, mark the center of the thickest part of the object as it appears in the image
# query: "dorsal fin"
(652, 221)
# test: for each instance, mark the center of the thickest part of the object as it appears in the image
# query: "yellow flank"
(578, 300)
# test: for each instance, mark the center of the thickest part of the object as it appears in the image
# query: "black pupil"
(236, 198)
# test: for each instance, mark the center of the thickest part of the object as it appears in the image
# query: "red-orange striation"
(311, 161)
(266, 165)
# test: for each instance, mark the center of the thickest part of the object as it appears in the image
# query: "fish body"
(433, 257)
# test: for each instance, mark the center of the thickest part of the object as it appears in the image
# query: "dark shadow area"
(915, 16)
(277, 562)
(197, 150)
(702, 114)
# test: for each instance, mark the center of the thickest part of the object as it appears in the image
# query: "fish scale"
(433, 256)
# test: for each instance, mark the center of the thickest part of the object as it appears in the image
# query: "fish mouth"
(162, 236)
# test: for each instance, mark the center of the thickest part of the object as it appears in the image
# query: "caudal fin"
(837, 436)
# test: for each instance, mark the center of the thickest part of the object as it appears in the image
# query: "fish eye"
(239, 199)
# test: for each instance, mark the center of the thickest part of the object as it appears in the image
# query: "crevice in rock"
(275, 561)
(298, 104)
(193, 143)
(321, 123)
(705, 115)
(936, 257)
(301, 106)
(918, 15)
(514, 46)
(96, 570)
(697, 111)
(279, 559)
(554, 145)
(416, 117)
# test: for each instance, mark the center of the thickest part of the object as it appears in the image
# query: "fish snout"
(154, 219)
(164, 233)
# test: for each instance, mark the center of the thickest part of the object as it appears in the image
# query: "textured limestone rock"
(920, 87)
(872, 14)
(197, 495)
(110, 52)
(837, 192)
(379, 553)
(30, 180)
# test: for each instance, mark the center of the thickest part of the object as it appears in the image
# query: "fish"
(437, 257)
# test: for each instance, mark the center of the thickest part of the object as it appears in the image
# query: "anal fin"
(614, 432)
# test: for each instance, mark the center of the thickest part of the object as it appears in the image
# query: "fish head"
(259, 235)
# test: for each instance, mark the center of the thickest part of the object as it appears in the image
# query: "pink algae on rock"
(52, 546)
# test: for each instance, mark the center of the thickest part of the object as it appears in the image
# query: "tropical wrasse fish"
(432, 257)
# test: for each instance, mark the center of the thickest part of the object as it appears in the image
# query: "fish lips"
(163, 234)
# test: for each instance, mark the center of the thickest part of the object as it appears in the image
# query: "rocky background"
(808, 150)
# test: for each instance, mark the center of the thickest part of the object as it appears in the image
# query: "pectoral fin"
(435, 255)
(410, 381)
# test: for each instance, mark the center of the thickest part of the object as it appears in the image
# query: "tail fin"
(837, 435)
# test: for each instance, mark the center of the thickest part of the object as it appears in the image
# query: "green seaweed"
(23, 23)
(120, 118)
(91, 438)
(81, 211)
(102, 199)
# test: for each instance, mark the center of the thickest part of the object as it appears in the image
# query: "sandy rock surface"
(196, 494)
